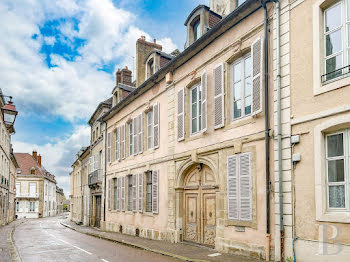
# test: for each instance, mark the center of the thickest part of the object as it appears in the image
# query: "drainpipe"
(279, 127)
(105, 175)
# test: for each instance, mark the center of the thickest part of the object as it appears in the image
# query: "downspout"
(104, 174)
(267, 128)
(279, 127)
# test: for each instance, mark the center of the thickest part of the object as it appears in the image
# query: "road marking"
(104, 260)
(214, 255)
(87, 252)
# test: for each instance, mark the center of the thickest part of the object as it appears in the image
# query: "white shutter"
(135, 134)
(122, 147)
(181, 114)
(245, 187)
(219, 101)
(204, 101)
(109, 147)
(140, 192)
(140, 134)
(117, 146)
(134, 193)
(109, 194)
(116, 187)
(232, 187)
(156, 125)
(123, 193)
(256, 50)
(155, 197)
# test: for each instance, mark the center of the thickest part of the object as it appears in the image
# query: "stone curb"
(11, 243)
(126, 243)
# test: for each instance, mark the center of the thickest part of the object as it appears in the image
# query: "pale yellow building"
(12, 188)
(186, 150)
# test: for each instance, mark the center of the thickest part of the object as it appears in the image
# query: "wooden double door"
(200, 206)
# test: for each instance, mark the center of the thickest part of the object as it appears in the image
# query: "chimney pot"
(154, 40)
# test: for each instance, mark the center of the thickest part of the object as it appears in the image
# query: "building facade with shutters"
(185, 151)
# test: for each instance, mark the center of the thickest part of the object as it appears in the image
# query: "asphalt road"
(47, 240)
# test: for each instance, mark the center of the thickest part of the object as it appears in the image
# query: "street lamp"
(9, 113)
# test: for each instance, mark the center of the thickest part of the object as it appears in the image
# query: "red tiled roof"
(26, 162)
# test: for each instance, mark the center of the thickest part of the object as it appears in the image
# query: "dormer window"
(196, 30)
(32, 171)
(151, 67)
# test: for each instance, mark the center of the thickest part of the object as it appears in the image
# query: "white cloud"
(58, 157)
(50, 40)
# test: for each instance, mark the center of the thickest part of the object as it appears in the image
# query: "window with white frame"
(241, 88)
(131, 139)
(117, 143)
(130, 192)
(32, 207)
(196, 109)
(149, 191)
(336, 40)
(338, 171)
(150, 130)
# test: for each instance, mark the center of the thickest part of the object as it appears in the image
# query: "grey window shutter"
(135, 133)
(140, 134)
(109, 194)
(155, 194)
(116, 187)
(181, 114)
(122, 147)
(232, 187)
(204, 101)
(245, 187)
(140, 193)
(134, 193)
(117, 146)
(95, 162)
(120, 204)
(256, 50)
(123, 192)
(156, 125)
(219, 101)
(109, 147)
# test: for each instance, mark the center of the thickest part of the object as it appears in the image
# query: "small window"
(151, 67)
(196, 30)
(149, 192)
(32, 207)
(150, 130)
(32, 171)
(196, 109)
(130, 193)
(131, 147)
(19, 171)
(241, 88)
(338, 175)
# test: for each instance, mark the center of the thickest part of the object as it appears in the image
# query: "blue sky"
(58, 62)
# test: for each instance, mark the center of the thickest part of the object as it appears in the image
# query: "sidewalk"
(8, 252)
(182, 251)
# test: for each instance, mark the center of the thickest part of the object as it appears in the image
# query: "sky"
(58, 61)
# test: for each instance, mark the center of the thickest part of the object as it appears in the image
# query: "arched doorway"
(200, 205)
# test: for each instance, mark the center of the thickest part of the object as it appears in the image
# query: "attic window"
(151, 67)
(32, 171)
(19, 171)
(196, 30)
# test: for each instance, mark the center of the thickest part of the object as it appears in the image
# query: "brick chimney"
(143, 48)
(39, 160)
(126, 76)
(118, 75)
(35, 155)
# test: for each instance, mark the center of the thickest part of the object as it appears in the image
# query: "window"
(151, 67)
(117, 142)
(239, 187)
(241, 87)
(336, 40)
(130, 193)
(17, 206)
(32, 171)
(149, 192)
(31, 206)
(338, 175)
(131, 146)
(196, 110)
(32, 189)
(196, 30)
(115, 195)
(18, 189)
(150, 130)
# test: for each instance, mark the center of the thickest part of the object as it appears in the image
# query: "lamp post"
(9, 113)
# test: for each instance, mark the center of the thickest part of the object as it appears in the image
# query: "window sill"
(250, 224)
(148, 214)
(332, 85)
(249, 119)
(336, 217)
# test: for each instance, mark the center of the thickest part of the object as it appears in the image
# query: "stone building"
(59, 200)
(79, 190)
(12, 188)
(6, 189)
(185, 151)
(35, 187)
